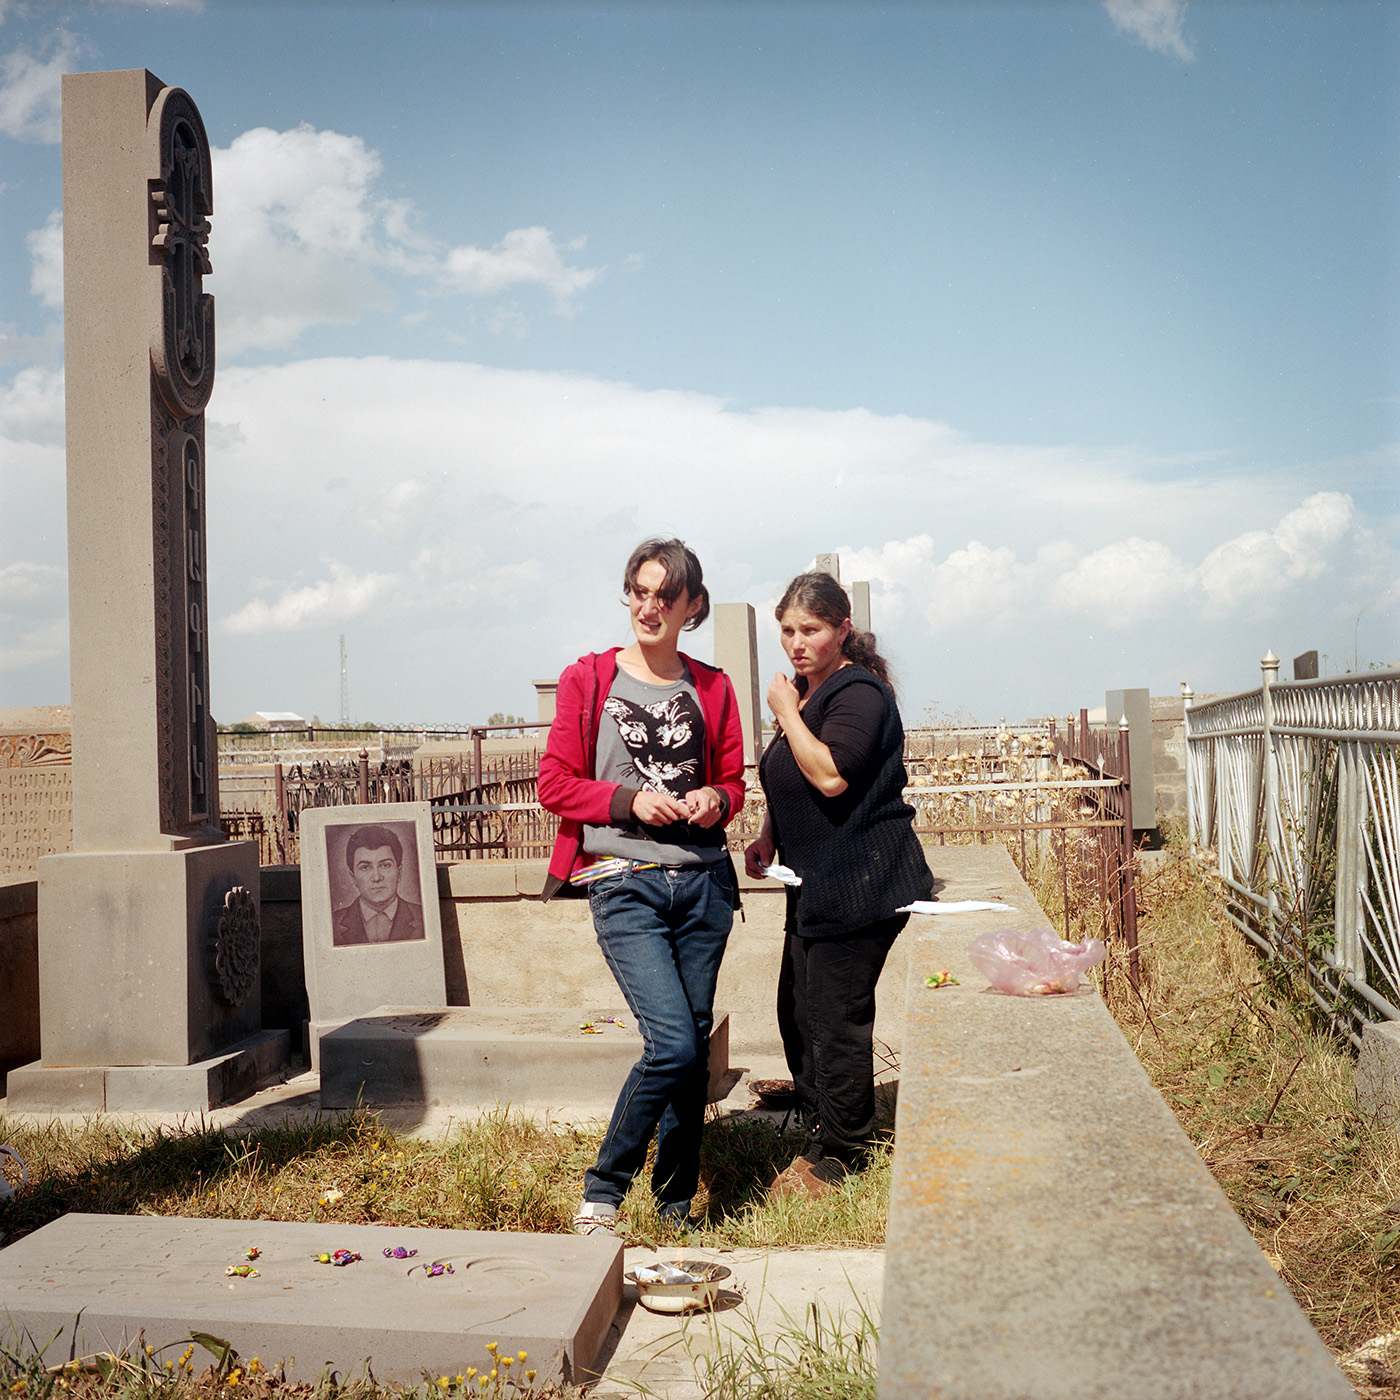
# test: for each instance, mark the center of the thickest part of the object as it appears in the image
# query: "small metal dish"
(690, 1285)
(774, 1093)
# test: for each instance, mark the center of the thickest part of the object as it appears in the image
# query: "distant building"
(275, 720)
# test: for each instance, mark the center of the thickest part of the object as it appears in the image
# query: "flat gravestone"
(107, 1278)
(481, 1055)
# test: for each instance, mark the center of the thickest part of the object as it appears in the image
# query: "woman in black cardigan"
(834, 779)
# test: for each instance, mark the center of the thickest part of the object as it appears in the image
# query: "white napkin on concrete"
(955, 906)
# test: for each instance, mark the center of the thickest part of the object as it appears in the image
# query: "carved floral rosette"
(235, 948)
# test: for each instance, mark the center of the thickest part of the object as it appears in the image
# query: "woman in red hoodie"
(645, 765)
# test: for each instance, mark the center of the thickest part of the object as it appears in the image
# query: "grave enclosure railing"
(1294, 788)
(484, 805)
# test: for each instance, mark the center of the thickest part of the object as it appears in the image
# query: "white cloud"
(525, 256)
(296, 238)
(31, 408)
(30, 105)
(1257, 564)
(35, 646)
(1124, 583)
(301, 238)
(46, 260)
(25, 582)
(1157, 24)
(344, 595)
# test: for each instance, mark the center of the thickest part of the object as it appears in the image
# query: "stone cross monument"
(149, 934)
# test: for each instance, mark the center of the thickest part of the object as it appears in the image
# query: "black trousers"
(826, 1015)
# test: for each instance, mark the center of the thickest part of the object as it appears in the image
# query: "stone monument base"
(476, 1056)
(148, 957)
(224, 1078)
(95, 1283)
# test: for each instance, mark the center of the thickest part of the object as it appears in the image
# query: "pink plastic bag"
(1033, 962)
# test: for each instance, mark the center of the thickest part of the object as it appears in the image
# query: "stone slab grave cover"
(149, 938)
(481, 1055)
(108, 1278)
(347, 975)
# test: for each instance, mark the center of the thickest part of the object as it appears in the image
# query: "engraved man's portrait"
(375, 887)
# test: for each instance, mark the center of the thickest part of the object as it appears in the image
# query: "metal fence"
(484, 805)
(1053, 796)
(1294, 787)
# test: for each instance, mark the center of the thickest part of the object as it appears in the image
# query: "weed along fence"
(1295, 787)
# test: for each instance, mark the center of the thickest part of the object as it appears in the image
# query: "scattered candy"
(399, 1252)
(434, 1270)
(241, 1271)
(322, 1258)
(342, 1257)
(251, 1252)
(595, 1026)
(942, 979)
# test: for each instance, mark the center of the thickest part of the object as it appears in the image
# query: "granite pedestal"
(479, 1056)
(108, 1278)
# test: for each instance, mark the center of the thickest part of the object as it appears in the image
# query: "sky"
(1073, 327)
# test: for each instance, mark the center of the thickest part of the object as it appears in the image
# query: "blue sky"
(1073, 326)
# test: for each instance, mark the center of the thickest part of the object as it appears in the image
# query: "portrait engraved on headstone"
(376, 892)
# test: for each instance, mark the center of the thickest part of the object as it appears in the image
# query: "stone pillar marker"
(736, 654)
(149, 930)
(860, 606)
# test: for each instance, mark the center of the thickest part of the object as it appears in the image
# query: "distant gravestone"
(1137, 706)
(1305, 666)
(829, 564)
(36, 794)
(860, 606)
(371, 927)
(149, 935)
(736, 654)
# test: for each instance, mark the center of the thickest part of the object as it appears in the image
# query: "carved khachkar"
(182, 377)
(234, 948)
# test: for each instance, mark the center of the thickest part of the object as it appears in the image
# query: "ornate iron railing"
(1295, 788)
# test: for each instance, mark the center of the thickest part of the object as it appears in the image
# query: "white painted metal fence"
(1295, 788)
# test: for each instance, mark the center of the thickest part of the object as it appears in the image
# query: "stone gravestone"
(736, 654)
(36, 788)
(1136, 705)
(149, 929)
(352, 968)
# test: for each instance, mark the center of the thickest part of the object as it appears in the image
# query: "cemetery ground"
(1264, 1094)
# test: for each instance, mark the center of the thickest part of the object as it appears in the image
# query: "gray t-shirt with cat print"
(653, 736)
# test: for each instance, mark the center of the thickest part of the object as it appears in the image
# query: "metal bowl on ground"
(774, 1093)
(686, 1286)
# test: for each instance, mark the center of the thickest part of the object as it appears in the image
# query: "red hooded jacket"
(567, 785)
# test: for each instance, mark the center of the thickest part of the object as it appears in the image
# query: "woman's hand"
(759, 854)
(703, 807)
(657, 809)
(783, 698)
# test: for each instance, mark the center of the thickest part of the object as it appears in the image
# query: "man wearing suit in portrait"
(379, 914)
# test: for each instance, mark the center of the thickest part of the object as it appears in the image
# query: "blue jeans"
(663, 933)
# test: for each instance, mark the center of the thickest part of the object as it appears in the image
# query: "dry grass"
(1267, 1099)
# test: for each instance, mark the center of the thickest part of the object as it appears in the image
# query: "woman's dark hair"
(819, 594)
(683, 574)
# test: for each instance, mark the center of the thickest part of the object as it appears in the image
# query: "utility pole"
(344, 688)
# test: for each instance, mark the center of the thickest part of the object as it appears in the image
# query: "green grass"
(501, 1172)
